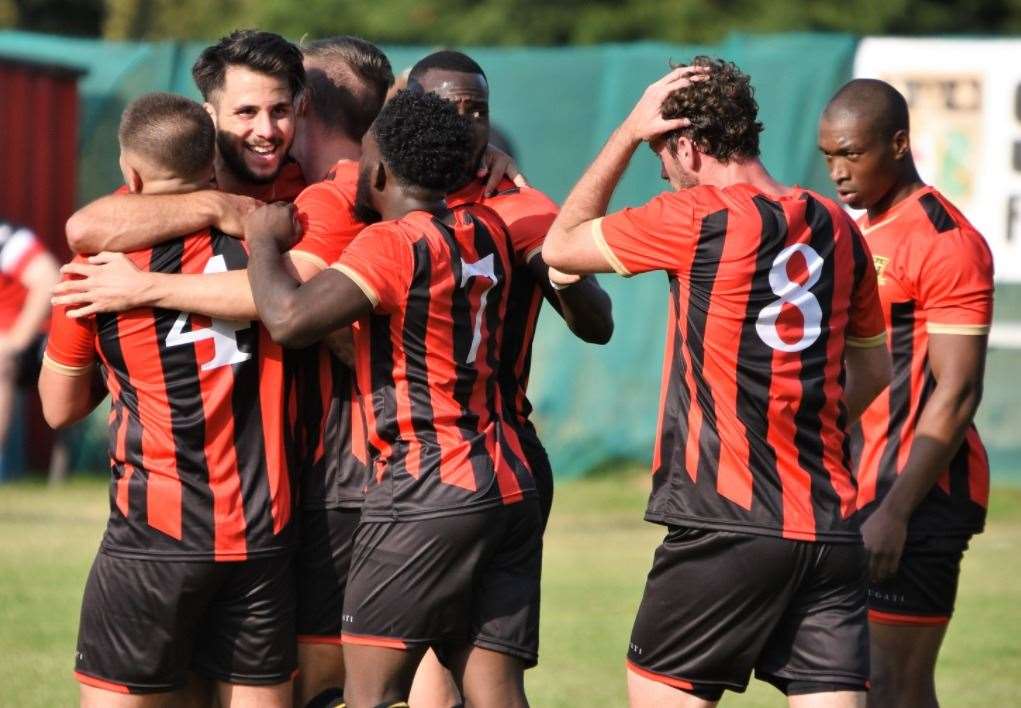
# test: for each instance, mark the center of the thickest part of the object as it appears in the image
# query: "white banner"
(965, 102)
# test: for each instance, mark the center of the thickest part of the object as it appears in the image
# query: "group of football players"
(312, 305)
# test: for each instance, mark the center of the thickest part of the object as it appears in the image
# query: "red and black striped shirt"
(198, 438)
(427, 362)
(528, 214)
(334, 467)
(935, 277)
(765, 294)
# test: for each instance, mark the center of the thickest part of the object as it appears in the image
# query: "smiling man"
(250, 82)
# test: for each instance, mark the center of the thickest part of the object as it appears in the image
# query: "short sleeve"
(655, 236)
(528, 214)
(954, 284)
(379, 261)
(71, 348)
(328, 222)
(18, 251)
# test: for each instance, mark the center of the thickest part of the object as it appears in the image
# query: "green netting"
(593, 404)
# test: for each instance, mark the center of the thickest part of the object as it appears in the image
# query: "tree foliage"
(510, 22)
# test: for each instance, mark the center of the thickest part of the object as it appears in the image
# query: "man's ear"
(211, 110)
(379, 183)
(901, 145)
(133, 180)
(687, 156)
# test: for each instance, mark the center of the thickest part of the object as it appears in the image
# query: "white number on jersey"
(791, 293)
(484, 269)
(222, 332)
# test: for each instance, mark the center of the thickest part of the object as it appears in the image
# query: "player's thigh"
(903, 654)
(711, 599)
(434, 685)
(95, 697)
(268, 696)
(490, 679)
(820, 645)
(505, 596)
(320, 669)
(644, 692)
(835, 699)
(378, 675)
(247, 634)
(137, 631)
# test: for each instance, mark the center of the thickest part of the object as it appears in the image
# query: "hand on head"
(646, 120)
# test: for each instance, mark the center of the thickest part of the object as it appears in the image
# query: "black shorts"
(542, 471)
(321, 566)
(146, 623)
(449, 582)
(924, 589)
(720, 604)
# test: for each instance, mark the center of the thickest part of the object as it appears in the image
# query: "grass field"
(597, 552)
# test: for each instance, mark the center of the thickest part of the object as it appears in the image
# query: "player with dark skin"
(583, 304)
(297, 314)
(864, 137)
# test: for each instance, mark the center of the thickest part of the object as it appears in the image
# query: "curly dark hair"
(722, 111)
(423, 141)
(264, 52)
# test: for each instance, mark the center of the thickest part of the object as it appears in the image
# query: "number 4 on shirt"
(222, 332)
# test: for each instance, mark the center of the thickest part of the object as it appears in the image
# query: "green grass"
(597, 553)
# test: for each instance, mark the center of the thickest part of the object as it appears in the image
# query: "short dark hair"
(448, 60)
(171, 131)
(722, 111)
(882, 107)
(424, 141)
(348, 79)
(264, 52)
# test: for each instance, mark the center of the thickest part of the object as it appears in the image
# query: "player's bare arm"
(38, 278)
(570, 246)
(584, 305)
(869, 370)
(110, 282)
(129, 222)
(958, 365)
(296, 314)
(68, 396)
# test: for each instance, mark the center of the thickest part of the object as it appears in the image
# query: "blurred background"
(562, 75)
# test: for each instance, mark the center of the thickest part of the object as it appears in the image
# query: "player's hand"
(233, 210)
(562, 280)
(646, 120)
(884, 534)
(276, 222)
(496, 164)
(109, 282)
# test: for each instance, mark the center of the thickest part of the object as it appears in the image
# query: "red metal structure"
(38, 176)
